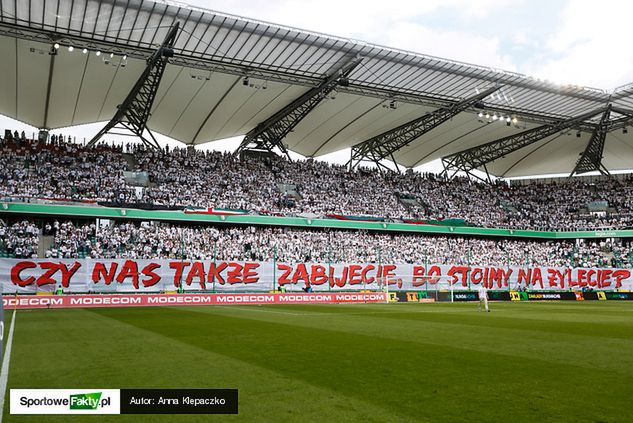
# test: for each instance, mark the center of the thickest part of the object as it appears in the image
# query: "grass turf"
(397, 362)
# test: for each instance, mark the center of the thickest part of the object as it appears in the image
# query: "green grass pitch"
(534, 362)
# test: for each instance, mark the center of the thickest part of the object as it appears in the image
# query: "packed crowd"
(59, 169)
(20, 240)
(62, 170)
(208, 179)
(332, 189)
(155, 240)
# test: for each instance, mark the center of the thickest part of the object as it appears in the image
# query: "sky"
(576, 42)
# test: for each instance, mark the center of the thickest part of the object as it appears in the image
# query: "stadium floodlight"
(480, 115)
(84, 51)
(125, 57)
(56, 45)
(487, 115)
(495, 117)
(515, 120)
(111, 55)
(98, 53)
(71, 48)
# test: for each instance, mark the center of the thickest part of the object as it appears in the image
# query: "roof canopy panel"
(230, 73)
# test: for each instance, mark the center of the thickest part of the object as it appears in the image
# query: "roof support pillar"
(51, 69)
(269, 134)
(386, 144)
(591, 159)
(478, 156)
(132, 115)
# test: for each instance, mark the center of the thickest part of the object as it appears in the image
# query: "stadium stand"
(158, 230)
(161, 240)
(185, 177)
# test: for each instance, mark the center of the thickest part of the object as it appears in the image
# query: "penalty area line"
(4, 373)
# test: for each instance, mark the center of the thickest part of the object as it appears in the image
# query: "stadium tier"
(187, 178)
(153, 240)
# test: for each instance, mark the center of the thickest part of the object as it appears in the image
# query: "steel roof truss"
(591, 159)
(478, 156)
(384, 145)
(269, 134)
(134, 112)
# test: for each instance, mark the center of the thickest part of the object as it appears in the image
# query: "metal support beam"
(621, 122)
(591, 159)
(476, 157)
(384, 145)
(132, 115)
(51, 68)
(269, 134)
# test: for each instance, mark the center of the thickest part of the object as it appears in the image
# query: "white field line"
(4, 373)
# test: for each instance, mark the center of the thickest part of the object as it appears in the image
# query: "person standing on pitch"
(483, 298)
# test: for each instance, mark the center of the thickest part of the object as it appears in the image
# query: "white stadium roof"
(202, 96)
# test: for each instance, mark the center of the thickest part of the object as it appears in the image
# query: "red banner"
(148, 300)
(152, 276)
